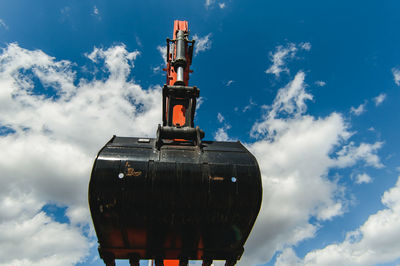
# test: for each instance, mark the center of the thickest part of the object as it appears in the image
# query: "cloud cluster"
(290, 100)
(249, 106)
(296, 153)
(320, 83)
(56, 122)
(282, 54)
(3, 24)
(379, 99)
(363, 178)
(209, 3)
(95, 10)
(374, 242)
(163, 52)
(202, 43)
(359, 110)
(222, 133)
(229, 83)
(396, 75)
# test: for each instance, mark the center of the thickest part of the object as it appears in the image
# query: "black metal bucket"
(174, 201)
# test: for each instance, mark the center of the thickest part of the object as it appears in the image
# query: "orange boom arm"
(179, 59)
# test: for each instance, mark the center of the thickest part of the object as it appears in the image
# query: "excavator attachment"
(174, 197)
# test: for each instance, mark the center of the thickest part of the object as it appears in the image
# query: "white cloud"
(229, 83)
(320, 83)
(295, 153)
(163, 52)
(208, 3)
(374, 242)
(3, 24)
(359, 110)
(138, 41)
(350, 154)
(379, 99)
(282, 54)
(222, 134)
(65, 14)
(305, 46)
(156, 69)
(290, 100)
(363, 178)
(49, 156)
(95, 10)
(199, 102)
(396, 75)
(293, 162)
(220, 118)
(202, 43)
(38, 240)
(118, 61)
(249, 106)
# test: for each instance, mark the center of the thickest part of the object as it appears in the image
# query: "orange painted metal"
(171, 262)
(178, 116)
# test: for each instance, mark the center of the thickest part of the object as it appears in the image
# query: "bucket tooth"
(109, 259)
(230, 262)
(159, 262)
(207, 262)
(134, 260)
(183, 262)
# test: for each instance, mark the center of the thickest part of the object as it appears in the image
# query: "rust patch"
(129, 171)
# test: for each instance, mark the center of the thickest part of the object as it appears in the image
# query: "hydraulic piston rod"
(180, 58)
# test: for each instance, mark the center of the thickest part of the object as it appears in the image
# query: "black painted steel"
(177, 201)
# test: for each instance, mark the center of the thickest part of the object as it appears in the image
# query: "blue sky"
(311, 87)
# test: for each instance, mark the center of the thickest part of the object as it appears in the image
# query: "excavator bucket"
(174, 197)
(176, 202)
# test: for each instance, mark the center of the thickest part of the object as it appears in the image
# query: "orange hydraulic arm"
(172, 56)
(179, 59)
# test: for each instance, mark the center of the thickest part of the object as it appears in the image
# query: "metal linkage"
(179, 99)
(183, 97)
(185, 133)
